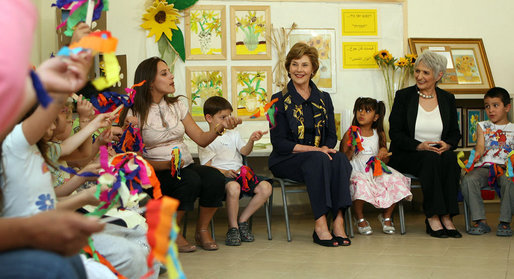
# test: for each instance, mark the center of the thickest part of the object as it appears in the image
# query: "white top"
(429, 125)
(224, 151)
(27, 188)
(498, 142)
(371, 147)
(160, 140)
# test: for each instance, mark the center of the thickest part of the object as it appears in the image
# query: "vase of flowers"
(206, 24)
(396, 72)
(252, 27)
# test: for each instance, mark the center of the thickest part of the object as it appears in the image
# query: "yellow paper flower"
(160, 18)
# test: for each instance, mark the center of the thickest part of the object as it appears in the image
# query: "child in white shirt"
(225, 154)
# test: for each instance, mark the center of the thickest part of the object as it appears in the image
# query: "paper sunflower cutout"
(160, 18)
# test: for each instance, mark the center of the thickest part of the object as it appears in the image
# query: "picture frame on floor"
(467, 71)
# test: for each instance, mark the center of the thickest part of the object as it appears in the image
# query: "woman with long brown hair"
(163, 121)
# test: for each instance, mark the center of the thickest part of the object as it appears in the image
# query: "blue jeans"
(40, 264)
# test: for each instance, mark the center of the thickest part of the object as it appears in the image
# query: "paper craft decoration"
(246, 174)
(250, 32)
(377, 166)
(162, 18)
(354, 138)
(161, 235)
(130, 140)
(78, 12)
(251, 90)
(176, 162)
(206, 32)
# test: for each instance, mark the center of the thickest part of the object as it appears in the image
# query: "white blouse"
(429, 125)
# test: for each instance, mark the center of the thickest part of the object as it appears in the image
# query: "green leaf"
(178, 43)
(182, 4)
(167, 52)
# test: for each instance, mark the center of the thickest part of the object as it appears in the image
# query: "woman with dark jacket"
(424, 132)
(303, 146)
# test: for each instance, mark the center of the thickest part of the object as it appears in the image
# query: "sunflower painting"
(251, 89)
(204, 82)
(250, 29)
(205, 32)
(466, 66)
(160, 18)
(324, 41)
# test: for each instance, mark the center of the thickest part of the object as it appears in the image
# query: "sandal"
(480, 228)
(209, 246)
(342, 241)
(504, 229)
(186, 247)
(233, 238)
(385, 228)
(364, 230)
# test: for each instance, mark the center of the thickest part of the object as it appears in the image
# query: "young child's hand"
(89, 195)
(257, 135)
(117, 132)
(81, 30)
(106, 136)
(230, 173)
(382, 154)
(65, 75)
(102, 121)
(231, 122)
(84, 108)
(93, 167)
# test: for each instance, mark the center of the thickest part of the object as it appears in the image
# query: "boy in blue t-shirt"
(495, 140)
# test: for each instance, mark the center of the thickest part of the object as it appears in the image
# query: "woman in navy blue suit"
(303, 146)
(424, 132)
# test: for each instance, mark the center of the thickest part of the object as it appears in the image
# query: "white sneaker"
(364, 230)
(386, 229)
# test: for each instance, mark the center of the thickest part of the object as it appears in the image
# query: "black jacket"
(402, 121)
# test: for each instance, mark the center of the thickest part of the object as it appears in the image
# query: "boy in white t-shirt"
(495, 140)
(224, 153)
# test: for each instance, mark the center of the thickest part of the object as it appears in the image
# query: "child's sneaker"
(244, 231)
(504, 229)
(233, 238)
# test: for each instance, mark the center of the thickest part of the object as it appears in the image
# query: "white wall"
(491, 20)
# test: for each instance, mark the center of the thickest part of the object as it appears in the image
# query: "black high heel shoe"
(439, 233)
(342, 241)
(327, 243)
(452, 233)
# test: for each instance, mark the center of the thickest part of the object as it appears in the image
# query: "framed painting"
(459, 121)
(251, 90)
(204, 82)
(324, 41)
(473, 116)
(206, 32)
(467, 68)
(250, 29)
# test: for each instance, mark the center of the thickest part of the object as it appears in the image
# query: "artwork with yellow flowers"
(324, 41)
(250, 28)
(467, 70)
(473, 116)
(204, 82)
(206, 33)
(251, 89)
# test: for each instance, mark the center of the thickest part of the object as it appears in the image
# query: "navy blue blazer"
(284, 137)
(402, 121)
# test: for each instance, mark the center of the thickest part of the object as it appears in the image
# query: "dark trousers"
(327, 181)
(439, 176)
(196, 181)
